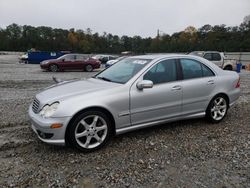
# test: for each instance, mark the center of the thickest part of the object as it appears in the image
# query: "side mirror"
(144, 84)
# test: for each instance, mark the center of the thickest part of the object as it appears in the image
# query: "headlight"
(49, 110)
(44, 62)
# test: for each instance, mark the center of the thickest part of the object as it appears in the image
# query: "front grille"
(35, 106)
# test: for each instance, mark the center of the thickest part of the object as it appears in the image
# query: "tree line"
(219, 37)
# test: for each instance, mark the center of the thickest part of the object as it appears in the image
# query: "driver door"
(161, 102)
(68, 62)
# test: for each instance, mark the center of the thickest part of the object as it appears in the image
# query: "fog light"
(56, 125)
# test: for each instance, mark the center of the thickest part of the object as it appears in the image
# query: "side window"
(206, 71)
(162, 72)
(81, 57)
(191, 68)
(70, 57)
(216, 57)
(208, 56)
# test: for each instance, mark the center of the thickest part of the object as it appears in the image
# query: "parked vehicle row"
(217, 58)
(104, 58)
(35, 57)
(134, 93)
(71, 62)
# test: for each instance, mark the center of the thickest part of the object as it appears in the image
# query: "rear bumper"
(41, 127)
(233, 96)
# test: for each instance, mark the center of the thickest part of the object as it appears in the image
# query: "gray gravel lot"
(190, 153)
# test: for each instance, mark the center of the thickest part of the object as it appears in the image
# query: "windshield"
(123, 71)
(62, 57)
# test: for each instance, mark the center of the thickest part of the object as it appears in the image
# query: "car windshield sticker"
(141, 62)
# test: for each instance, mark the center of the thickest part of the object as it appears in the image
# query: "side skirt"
(149, 124)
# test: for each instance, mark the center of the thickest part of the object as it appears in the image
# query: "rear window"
(208, 56)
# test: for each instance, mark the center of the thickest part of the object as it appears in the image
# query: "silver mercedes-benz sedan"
(134, 93)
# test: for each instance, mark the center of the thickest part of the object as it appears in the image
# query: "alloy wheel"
(91, 131)
(218, 108)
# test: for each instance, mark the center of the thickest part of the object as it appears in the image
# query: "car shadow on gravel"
(166, 128)
(141, 136)
(119, 141)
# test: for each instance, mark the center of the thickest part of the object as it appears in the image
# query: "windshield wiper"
(104, 78)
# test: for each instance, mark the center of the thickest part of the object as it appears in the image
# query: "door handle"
(176, 88)
(210, 82)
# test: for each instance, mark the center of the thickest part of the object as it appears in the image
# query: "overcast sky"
(124, 17)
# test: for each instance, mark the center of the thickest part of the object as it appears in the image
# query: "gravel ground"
(190, 153)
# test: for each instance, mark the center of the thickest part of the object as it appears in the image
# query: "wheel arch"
(87, 64)
(220, 94)
(230, 66)
(94, 108)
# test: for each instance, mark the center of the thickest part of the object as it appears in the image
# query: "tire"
(228, 67)
(89, 131)
(217, 109)
(53, 68)
(89, 68)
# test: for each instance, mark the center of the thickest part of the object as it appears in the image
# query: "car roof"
(161, 56)
(205, 52)
(76, 54)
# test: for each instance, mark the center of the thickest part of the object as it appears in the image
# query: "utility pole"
(158, 40)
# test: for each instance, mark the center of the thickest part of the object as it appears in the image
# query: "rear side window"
(208, 56)
(191, 69)
(207, 71)
(81, 57)
(69, 57)
(216, 57)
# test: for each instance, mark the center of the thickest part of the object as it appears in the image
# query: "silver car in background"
(134, 93)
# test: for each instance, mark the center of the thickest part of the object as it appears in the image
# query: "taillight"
(238, 84)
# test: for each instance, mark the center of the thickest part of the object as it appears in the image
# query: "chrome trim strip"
(124, 114)
(194, 115)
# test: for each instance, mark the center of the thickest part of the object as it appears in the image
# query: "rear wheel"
(217, 109)
(89, 68)
(90, 131)
(53, 68)
(228, 67)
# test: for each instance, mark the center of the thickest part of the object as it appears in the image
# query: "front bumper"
(41, 126)
(44, 66)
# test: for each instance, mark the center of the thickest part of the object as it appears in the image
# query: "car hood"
(64, 90)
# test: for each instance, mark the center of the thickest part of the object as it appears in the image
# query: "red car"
(71, 62)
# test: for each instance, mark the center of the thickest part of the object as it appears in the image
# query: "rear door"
(163, 101)
(197, 86)
(79, 62)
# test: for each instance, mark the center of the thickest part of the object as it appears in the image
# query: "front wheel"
(89, 68)
(53, 68)
(90, 131)
(217, 109)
